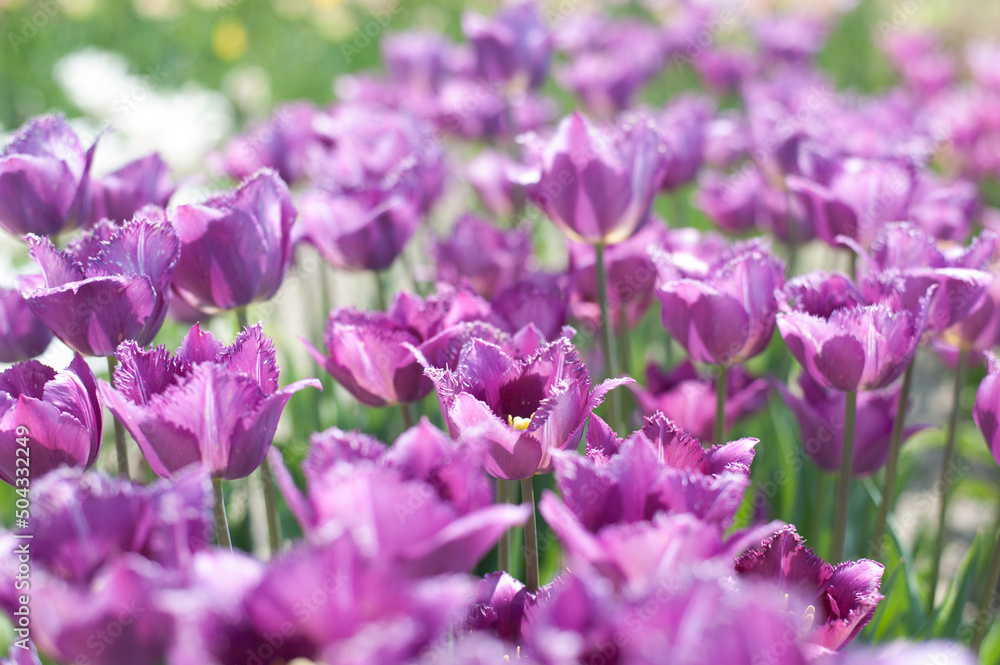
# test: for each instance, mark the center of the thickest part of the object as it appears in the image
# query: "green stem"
(404, 409)
(530, 538)
(889, 489)
(988, 593)
(120, 448)
(607, 344)
(945, 482)
(380, 290)
(844, 480)
(221, 523)
(270, 507)
(241, 319)
(719, 432)
(679, 211)
(624, 350)
(503, 548)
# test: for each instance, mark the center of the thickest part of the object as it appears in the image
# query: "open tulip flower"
(22, 334)
(210, 404)
(235, 248)
(45, 179)
(119, 195)
(108, 286)
(512, 48)
(525, 409)
(57, 414)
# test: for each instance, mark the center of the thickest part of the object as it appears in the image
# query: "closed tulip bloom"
(108, 286)
(57, 412)
(537, 300)
(524, 409)
(851, 347)
(598, 188)
(488, 258)
(44, 179)
(491, 174)
(944, 210)
(731, 202)
(350, 235)
(119, 195)
(820, 414)
(512, 48)
(235, 248)
(283, 142)
(728, 316)
(210, 404)
(22, 334)
(682, 126)
(987, 407)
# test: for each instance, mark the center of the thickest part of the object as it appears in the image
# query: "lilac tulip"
(682, 129)
(944, 210)
(513, 48)
(108, 286)
(22, 334)
(539, 300)
(978, 332)
(820, 414)
(688, 399)
(790, 38)
(119, 195)
(491, 174)
(630, 272)
(725, 69)
(284, 142)
(728, 316)
(44, 179)
(596, 187)
(57, 413)
(987, 407)
(477, 251)
(417, 60)
(350, 235)
(730, 202)
(500, 606)
(849, 346)
(398, 505)
(210, 404)
(525, 409)
(835, 602)
(235, 248)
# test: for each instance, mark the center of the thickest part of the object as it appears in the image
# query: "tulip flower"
(22, 334)
(106, 287)
(210, 404)
(416, 59)
(477, 251)
(682, 128)
(986, 413)
(283, 143)
(537, 300)
(235, 248)
(55, 418)
(838, 600)
(500, 606)
(119, 195)
(512, 48)
(45, 179)
(492, 174)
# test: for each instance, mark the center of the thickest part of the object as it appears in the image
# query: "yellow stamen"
(519, 423)
(808, 618)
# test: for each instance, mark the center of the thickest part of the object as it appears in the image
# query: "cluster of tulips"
(659, 562)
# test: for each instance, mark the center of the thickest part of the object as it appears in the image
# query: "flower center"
(519, 423)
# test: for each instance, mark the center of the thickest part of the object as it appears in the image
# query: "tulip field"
(557, 332)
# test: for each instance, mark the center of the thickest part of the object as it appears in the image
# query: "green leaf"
(948, 617)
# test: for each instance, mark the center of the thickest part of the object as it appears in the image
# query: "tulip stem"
(679, 211)
(221, 523)
(241, 319)
(989, 591)
(890, 471)
(120, 448)
(503, 547)
(844, 480)
(530, 538)
(404, 409)
(380, 290)
(270, 507)
(946, 471)
(721, 382)
(607, 344)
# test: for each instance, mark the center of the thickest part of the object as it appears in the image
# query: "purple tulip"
(682, 128)
(22, 334)
(45, 179)
(820, 414)
(987, 407)
(56, 413)
(944, 210)
(725, 69)
(235, 248)
(730, 202)
(688, 399)
(688, 252)
(631, 277)
(835, 602)
(119, 195)
(524, 409)
(491, 174)
(596, 187)
(352, 236)
(982, 59)
(283, 143)
(500, 606)
(790, 38)
(512, 48)
(728, 316)
(209, 403)
(106, 287)
(539, 300)
(477, 251)
(849, 346)
(726, 139)
(398, 504)
(417, 60)
(979, 331)
(918, 59)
